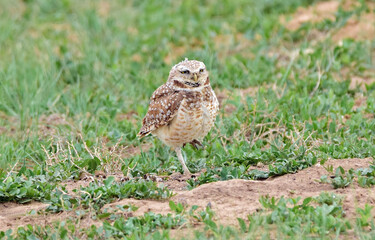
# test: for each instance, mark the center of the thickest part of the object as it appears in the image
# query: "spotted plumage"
(184, 109)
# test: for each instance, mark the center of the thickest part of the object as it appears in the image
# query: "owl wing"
(164, 105)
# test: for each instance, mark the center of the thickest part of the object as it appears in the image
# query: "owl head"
(189, 74)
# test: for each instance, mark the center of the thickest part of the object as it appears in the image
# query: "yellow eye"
(201, 70)
(185, 72)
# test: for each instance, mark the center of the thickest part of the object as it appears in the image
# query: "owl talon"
(195, 143)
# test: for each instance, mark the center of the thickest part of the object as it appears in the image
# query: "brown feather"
(164, 105)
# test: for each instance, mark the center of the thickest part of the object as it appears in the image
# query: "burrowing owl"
(184, 109)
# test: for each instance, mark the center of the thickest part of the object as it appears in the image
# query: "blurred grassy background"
(71, 68)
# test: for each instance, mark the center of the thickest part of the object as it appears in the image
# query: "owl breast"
(194, 119)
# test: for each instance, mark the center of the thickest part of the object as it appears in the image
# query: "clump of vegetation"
(45, 188)
(364, 176)
(118, 226)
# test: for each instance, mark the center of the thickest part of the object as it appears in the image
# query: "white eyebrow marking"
(183, 68)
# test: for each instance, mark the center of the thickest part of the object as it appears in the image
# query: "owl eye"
(201, 70)
(185, 72)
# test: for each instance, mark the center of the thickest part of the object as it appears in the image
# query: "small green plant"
(329, 199)
(291, 217)
(142, 227)
(99, 193)
(115, 226)
(25, 189)
(365, 217)
(366, 176)
(329, 168)
(177, 208)
(341, 179)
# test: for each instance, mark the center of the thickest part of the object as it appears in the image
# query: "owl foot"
(195, 143)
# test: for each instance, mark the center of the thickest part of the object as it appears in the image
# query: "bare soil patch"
(13, 215)
(15, 8)
(231, 44)
(315, 13)
(224, 95)
(104, 8)
(360, 102)
(361, 81)
(357, 27)
(356, 81)
(177, 52)
(48, 124)
(229, 199)
(129, 116)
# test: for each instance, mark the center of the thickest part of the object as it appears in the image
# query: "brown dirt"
(137, 58)
(239, 198)
(49, 124)
(129, 116)
(223, 95)
(177, 52)
(103, 8)
(356, 81)
(360, 102)
(361, 81)
(9, 122)
(230, 44)
(229, 199)
(357, 27)
(315, 13)
(15, 8)
(14, 215)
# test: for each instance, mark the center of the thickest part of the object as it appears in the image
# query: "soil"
(357, 27)
(315, 13)
(239, 198)
(232, 44)
(224, 96)
(228, 199)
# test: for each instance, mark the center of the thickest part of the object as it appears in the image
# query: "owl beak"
(195, 76)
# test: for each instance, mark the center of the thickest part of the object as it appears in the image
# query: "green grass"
(67, 58)
(76, 77)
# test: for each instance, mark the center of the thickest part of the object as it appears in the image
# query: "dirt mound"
(238, 198)
(13, 214)
(229, 199)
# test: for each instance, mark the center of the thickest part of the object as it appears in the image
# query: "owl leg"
(182, 161)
